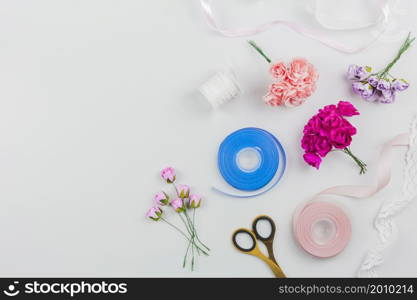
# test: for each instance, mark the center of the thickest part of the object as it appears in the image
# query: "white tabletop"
(97, 96)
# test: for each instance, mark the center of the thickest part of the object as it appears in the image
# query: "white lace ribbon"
(384, 222)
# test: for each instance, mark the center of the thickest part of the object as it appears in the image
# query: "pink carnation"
(293, 84)
(279, 70)
(301, 72)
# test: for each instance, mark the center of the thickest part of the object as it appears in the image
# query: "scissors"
(267, 241)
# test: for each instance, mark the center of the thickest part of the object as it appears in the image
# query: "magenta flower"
(161, 198)
(168, 174)
(340, 138)
(329, 129)
(178, 205)
(183, 190)
(154, 213)
(195, 201)
(323, 146)
(346, 109)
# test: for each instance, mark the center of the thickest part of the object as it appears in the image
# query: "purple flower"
(383, 85)
(400, 85)
(154, 213)
(373, 80)
(387, 97)
(357, 72)
(365, 90)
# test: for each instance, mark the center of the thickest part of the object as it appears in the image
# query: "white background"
(97, 96)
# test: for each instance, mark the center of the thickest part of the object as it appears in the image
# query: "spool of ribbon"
(220, 88)
(383, 6)
(251, 159)
(321, 228)
(384, 223)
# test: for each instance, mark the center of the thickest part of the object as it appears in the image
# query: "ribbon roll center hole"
(323, 231)
(248, 159)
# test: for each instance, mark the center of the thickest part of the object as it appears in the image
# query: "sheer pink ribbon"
(306, 214)
(384, 164)
(303, 30)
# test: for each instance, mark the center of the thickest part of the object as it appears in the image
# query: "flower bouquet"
(293, 83)
(329, 130)
(185, 205)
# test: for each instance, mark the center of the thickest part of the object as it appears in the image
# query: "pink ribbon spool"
(322, 229)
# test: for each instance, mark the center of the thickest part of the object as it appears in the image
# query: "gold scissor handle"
(254, 250)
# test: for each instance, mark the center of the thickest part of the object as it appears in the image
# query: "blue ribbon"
(271, 165)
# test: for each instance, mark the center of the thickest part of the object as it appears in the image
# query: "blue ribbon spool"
(265, 160)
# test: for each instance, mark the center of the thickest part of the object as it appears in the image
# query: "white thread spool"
(220, 88)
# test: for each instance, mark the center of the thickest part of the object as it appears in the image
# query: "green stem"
(359, 162)
(259, 50)
(192, 260)
(189, 229)
(186, 254)
(404, 47)
(188, 239)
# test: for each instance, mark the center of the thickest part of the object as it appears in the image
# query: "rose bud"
(161, 199)
(154, 213)
(168, 174)
(195, 201)
(178, 205)
(183, 190)
(400, 85)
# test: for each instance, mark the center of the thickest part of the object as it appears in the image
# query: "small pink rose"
(183, 190)
(161, 199)
(168, 174)
(279, 70)
(154, 213)
(195, 201)
(178, 205)
(312, 159)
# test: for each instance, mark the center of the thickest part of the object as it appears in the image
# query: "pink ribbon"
(384, 164)
(303, 30)
(305, 216)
